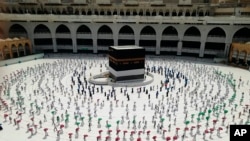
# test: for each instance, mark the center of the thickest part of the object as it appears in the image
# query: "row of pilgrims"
(169, 74)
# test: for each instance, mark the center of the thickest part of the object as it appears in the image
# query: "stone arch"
(101, 12)
(89, 12)
(200, 12)
(217, 31)
(167, 13)
(140, 13)
(126, 36)
(191, 42)
(122, 13)
(14, 50)
(169, 41)
(14, 10)
(187, 13)
(148, 38)
(96, 12)
(207, 13)
(134, 12)
(42, 36)
(242, 35)
(170, 30)
(46, 11)
(148, 30)
(62, 29)
(109, 13)
(174, 13)
(127, 12)
(83, 38)
(242, 56)
(21, 49)
(215, 42)
(104, 29)
(1, 33)
(180, 12)
(104, 37)
(115, 12)
(147, 13)
(126, 30)
(194, 13)
(63, 39)
(77, 11)
(6, 52)
(27, 48)
(41, 28)
(17, 30)
(83, 29)
(84, 12)
(192, 31)
(161, 12)
(154, 12)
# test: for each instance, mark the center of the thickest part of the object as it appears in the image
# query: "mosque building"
(199, 28)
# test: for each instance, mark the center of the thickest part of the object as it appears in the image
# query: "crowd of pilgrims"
(58, 97)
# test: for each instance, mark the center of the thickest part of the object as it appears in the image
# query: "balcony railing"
(64, 46)
(79, 1)
(190, 50)
(83, 32)
(43, 46)
(217, 39)
(150, 48)
(169, 37)
(53, 1)
(191, 38)
(85, 36)
(105, 36)
(126, 36)
(42, 35)
(163, 48)
(102, 47)
(120, 19)
(147, 37)
(27, 1)
(63, 35)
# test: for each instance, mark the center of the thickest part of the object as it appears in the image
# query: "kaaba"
(126, 63)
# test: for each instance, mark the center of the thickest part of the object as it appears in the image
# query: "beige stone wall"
(239, 48)
(10, 46)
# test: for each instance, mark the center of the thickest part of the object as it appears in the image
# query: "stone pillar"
(202, 49)
(179, 48)
(227, 49)
(237, 11)
(245, 58)
(237, 57)
(115, 37)
(25, 50)
(11, 53)
(158, 46)
(95, 49)
(137, 38)
(74, 44)
(54, 42)
(18, 55)
(33, 45)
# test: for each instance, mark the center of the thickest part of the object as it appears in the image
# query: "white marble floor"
(53, 93)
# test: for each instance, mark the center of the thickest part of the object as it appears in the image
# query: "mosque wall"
(155, 38)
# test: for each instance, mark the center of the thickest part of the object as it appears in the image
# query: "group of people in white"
(52, 98)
